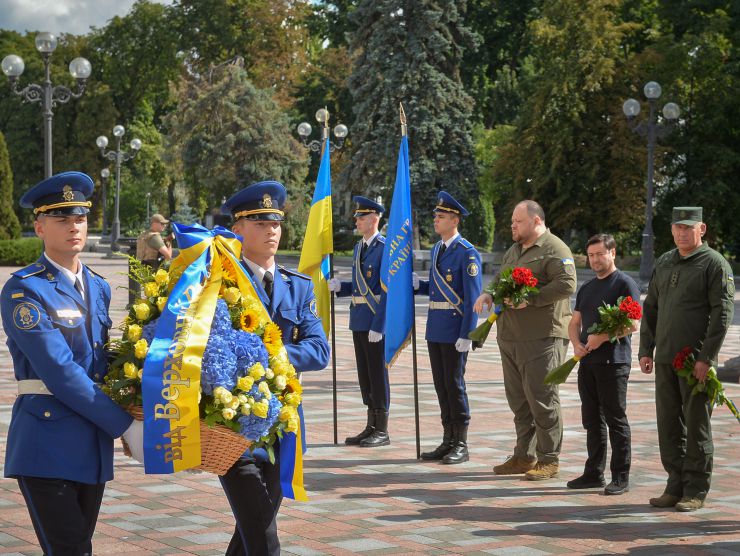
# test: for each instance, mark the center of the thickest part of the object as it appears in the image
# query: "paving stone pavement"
(384, 501)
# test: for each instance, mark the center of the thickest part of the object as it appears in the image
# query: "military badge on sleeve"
(473, 269)
(312, 308)
(26, 315)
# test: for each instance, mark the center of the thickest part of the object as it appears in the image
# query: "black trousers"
(64, 513)
(254, 493)
(603, 391)
(371, 372)
(448, 372)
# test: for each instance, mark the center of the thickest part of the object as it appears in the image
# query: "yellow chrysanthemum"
(249, 320)
(231, 295)
(133, 332)
(260, 409)
(151, 289)
(218, 391)
(292, 425)
(292, 399)
(280, 383)
(141, 348)
(257, 371)
(245, 383)
(264, 389)
(141, 310)
(129, 370)
(287, 413)
(246, 409)
(235, 403)
(272, 338)
(161, 303)
(228, 413)
(226, 397)
(162, 277)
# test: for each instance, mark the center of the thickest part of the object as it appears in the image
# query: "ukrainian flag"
(318, 242)
(397, 264)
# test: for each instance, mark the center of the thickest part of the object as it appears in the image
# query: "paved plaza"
(384, 501)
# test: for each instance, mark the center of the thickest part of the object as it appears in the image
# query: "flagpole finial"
(402, 116)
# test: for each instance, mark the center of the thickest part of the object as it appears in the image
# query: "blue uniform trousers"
(448, 371)
(372, 373)
(63, 513)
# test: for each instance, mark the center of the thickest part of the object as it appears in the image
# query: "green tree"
(227, 134)
(10, 228)
(410, 52)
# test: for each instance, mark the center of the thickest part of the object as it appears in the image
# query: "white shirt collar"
(369, 241)
(71, 276)
(453, 238)
(258, 271)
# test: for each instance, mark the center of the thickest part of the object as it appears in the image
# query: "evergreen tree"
(410, 51)
(10, 228)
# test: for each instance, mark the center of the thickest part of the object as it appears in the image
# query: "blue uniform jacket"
(56, 337)
(457, 282)
(361, 317)
(293, 309)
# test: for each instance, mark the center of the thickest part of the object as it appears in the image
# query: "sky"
(61, 16)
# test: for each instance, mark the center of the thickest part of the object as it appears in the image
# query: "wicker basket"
(220, 447)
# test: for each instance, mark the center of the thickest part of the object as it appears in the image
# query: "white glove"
(134, 437)
(374, 337)
(415, 280)
(462, 345)
(334, 285)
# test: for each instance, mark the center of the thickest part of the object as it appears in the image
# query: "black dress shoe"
(586, 482)
(376, 438)
(617, 486)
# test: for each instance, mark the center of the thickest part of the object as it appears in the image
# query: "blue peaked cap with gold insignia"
(63, 194)
(366, 206)
(447, 203)
(260, 201)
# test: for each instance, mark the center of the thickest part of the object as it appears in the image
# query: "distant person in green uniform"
(533, 339)
(151, 248)
(689, 303)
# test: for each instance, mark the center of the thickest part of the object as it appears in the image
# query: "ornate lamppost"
(104, 175)
(322, 117)
(652, 130)
(48, 95)
(118, 157)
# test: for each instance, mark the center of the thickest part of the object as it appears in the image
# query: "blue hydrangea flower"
(219, 364)
(249, 350)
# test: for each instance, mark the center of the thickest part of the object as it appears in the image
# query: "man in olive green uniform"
(533, 339)
(689, 303)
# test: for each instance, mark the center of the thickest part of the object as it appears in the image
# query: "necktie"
(78, 287)
(267, 283)
(363, 250)
(441, 252)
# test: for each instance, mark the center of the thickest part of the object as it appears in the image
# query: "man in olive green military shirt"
(689, 303)
(533, 339)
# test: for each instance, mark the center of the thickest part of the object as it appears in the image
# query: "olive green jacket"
(689, 303)
(548, 312)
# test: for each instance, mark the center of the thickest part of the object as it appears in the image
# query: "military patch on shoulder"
(26, 315)
(17, 295)
(30, 270)
(381, 239)
(568, 261)
(472, 269)
(312, 308)
(465, 243)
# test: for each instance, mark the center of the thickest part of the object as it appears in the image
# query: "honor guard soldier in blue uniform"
(366, 321)
(55, 314)
(252, 485)
(454, 285)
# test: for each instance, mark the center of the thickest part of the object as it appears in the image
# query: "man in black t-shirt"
(604, 370)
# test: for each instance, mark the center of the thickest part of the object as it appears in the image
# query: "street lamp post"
(118, 157)
(104, 175)
(652, 130)
(340, 132)
(46, 94)
(148, 197)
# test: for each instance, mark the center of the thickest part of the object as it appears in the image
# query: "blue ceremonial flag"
(398, 262)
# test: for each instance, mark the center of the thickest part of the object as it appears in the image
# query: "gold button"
(47, 413)
(97, 375)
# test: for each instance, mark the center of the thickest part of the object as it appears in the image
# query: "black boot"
(440, 451)
(379, 436)
(369, 428)
(459, 451)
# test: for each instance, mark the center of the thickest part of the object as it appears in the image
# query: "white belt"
(33, 387)
(441, 305)
(358, 300)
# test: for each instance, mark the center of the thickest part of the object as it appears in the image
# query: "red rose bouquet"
(614, 320)
(683, 364)
(514, 286)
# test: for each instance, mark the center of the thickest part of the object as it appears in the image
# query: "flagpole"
(415, 367)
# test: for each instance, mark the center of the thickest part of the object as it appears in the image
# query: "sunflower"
(272, 338)
(228, 270)
(294, 385)
(249, 320)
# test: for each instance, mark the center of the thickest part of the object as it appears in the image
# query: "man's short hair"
(606, 239)
(534, 209)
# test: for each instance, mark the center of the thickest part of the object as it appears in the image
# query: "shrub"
(20, 252)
